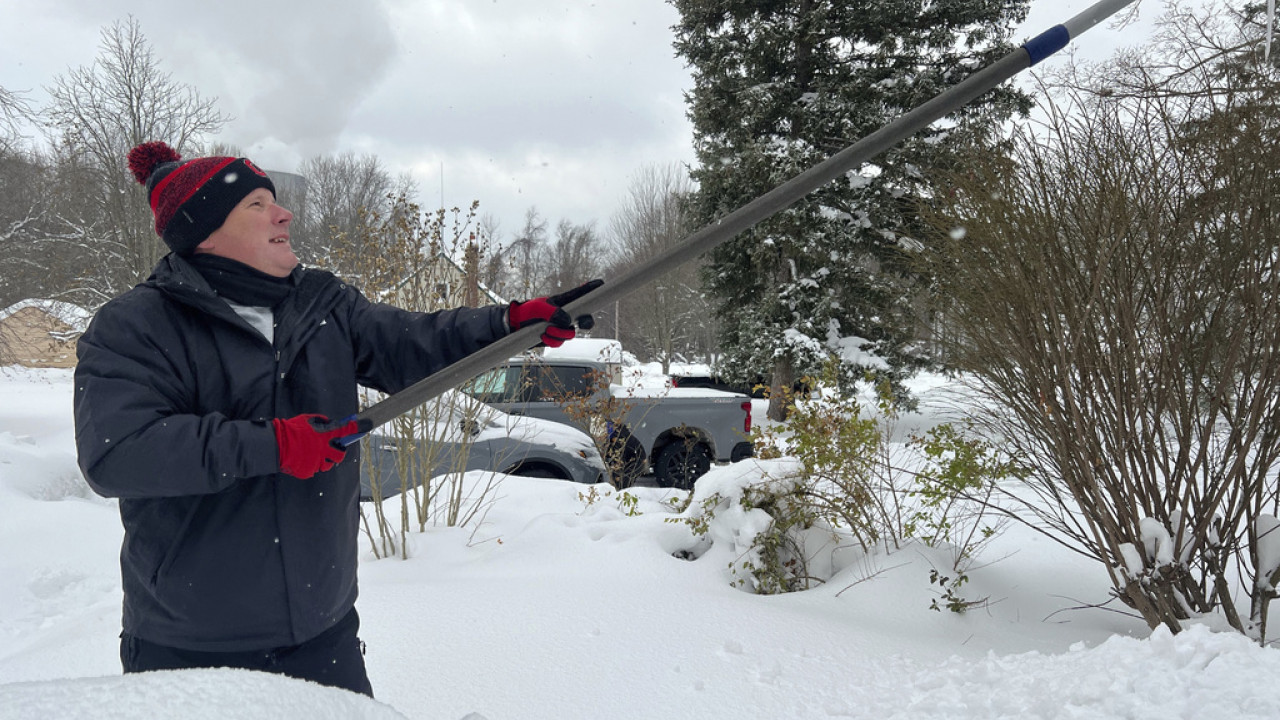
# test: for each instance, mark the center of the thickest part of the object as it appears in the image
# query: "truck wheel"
(679, 464)
(539, 470)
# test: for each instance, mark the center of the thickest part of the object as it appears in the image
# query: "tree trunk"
(784, 377)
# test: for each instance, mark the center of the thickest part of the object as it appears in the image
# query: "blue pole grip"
(362, 428)
(1047, 43)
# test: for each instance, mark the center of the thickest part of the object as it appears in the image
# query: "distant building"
(41, 333)
(441, 283)
(291, 189)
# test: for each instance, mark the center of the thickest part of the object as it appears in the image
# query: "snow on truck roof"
(593, 349)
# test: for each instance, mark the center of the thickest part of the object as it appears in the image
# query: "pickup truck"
(676, 432)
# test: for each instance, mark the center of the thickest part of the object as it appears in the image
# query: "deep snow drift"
(557, 607)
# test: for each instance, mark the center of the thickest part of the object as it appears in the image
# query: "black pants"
(334, 657)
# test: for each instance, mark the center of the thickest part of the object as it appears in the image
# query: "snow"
(1156, 541)
(641, 391)
(563, 603)
(189, 694)
(853, 350)
(584, 348)
(76, 317)
(1268, 545)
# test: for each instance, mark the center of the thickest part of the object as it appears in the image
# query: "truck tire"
(539, 470)
(681, 463)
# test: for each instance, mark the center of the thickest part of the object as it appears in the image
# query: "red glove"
(560, 326)
(306, 447)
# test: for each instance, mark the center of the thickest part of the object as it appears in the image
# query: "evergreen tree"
(779, 85)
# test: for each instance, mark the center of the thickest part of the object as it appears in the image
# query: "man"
(202, 401)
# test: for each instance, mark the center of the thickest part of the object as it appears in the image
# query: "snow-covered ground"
(556, 607)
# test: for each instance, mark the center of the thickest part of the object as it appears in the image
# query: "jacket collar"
(182, 283)
(176, 278)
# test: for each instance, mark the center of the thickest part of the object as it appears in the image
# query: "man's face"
(256, 233)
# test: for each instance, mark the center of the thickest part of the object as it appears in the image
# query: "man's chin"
(289, 260)
(280, 267)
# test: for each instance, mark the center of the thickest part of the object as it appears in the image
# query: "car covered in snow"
(456, 433)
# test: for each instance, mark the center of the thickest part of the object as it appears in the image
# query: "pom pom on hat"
(144, 159)
(192, 199)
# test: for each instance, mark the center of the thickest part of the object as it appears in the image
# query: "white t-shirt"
(261, 318)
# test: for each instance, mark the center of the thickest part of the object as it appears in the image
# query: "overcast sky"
(514, 103)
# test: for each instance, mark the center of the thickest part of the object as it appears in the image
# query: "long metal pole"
(763, 207)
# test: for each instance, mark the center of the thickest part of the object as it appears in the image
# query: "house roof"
(74, 316)
(441, 256)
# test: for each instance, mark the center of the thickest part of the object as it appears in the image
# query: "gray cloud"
(528, 102)
(553, 103)
(292, 75)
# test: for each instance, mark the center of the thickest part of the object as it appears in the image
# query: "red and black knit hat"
(192, 199)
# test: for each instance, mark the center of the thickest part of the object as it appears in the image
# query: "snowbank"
(186, 695)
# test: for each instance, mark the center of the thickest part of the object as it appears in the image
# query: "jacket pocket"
(176, 543)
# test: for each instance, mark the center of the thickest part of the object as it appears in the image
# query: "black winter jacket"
(174, 394)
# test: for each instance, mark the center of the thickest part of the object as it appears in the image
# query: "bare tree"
(343, 193)
(1114, 287)
(496, 267)
(339, 189)
(23, 209)
(670, 316)
(15, 112)
(527, 248)
(96, 114)
(36, 196)
(572, 258)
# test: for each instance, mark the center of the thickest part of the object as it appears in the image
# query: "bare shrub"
(1112, 288)
(404, 256)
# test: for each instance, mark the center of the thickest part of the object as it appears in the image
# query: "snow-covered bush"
(834, 485)
(756, 509)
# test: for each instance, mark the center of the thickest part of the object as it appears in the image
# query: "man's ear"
(206, 245)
